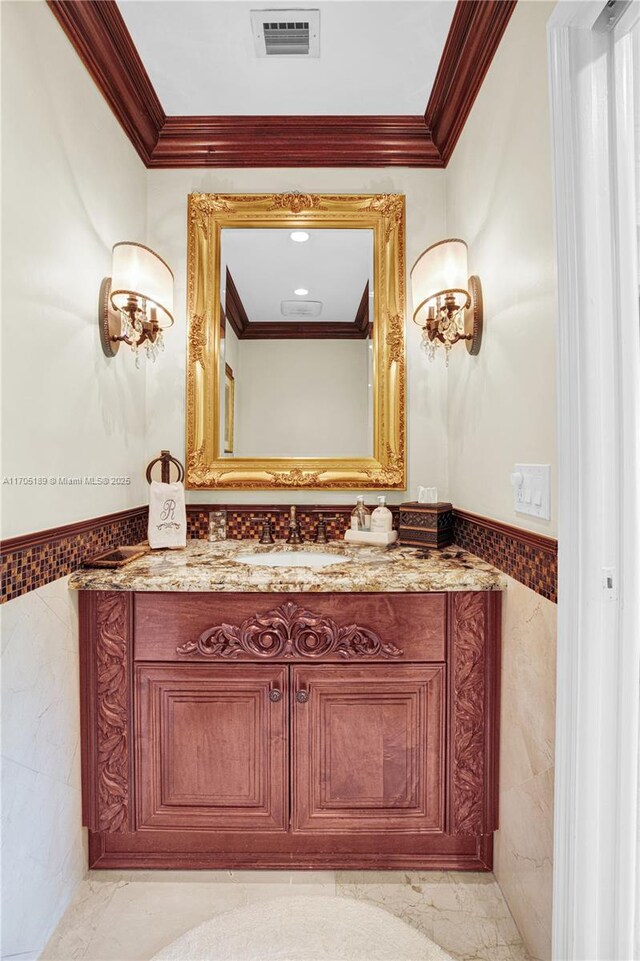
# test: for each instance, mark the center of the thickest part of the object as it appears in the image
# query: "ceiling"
(375, 57)
(393, 85)
(267, 266)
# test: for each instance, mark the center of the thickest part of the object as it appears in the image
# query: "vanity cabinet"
(299, 730)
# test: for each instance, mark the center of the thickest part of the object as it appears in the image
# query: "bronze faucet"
(295, 536)
(266, 536)
(321, 528)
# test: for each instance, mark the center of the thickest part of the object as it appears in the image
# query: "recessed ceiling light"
(300, 236)
(301, 291)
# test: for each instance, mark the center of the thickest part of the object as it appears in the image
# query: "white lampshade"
(137, 271)
(441, 269)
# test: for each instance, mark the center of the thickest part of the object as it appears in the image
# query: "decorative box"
(426, 525)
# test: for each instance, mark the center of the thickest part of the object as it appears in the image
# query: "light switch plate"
(532, 490)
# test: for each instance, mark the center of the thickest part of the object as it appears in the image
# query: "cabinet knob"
(275, 695)
(302, 696)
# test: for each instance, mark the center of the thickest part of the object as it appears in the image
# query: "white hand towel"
(167, 515)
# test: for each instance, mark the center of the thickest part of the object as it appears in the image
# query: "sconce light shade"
(447, 303)
(136, 302)
(441, 270)
(136, 271)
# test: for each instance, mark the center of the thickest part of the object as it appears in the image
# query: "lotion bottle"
(382, 518)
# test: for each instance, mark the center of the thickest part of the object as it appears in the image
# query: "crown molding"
(295, 141)
(234, 308)
(246, 329)
(100, 37)
(475, 33)
(103, 43)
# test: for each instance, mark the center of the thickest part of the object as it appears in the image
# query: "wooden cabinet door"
(212, 747)
(368, 748)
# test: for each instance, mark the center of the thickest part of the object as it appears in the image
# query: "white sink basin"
(292, 559)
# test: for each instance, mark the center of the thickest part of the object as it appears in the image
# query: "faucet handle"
(266, 537)
(321, 528)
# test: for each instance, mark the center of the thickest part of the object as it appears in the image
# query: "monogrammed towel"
(167, 515)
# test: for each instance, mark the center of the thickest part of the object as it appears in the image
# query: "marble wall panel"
(523, 855)
(43, 857)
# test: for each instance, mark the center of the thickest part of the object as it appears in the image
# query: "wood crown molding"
(234, 308)
(295, 141)
(100, 36)
(246, 329)
(103, 43)
(475, 33)
(362, 324)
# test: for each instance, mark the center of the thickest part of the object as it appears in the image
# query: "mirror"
(295, 371)
(296, 342)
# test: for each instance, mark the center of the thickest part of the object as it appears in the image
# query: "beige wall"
(501, 411)
(426, 387)
(72, 186)
(301, 398)
(501, 404)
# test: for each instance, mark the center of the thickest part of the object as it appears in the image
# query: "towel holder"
(166, 460)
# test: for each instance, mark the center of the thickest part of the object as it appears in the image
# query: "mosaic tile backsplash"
(246, 521)
(30, 562)
(529, 559)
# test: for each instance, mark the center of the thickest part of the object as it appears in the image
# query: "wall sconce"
(447, 302)
(136, 302)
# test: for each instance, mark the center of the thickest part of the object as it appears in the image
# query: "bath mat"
(304, 929)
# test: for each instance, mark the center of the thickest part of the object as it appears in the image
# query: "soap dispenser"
(382, 518)
(360, 515)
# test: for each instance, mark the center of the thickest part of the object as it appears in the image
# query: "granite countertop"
(205, 566)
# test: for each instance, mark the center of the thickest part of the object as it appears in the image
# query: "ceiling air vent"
(301, 308)
(286, 33)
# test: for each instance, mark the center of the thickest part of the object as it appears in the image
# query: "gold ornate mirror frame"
(208, 214)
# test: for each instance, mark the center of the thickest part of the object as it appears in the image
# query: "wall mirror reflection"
(297, 342)
(295, 374)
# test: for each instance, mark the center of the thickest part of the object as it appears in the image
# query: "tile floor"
(127, 916)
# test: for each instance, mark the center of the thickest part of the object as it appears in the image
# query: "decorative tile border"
(243, 520)
(529, 558)
(33, 560)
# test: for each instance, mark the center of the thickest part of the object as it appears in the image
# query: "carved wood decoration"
(113, 710)
(208, 215)
(468, 697)
(289, 631)
(100, 36)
